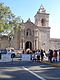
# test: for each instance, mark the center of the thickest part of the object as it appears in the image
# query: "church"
(34, 35)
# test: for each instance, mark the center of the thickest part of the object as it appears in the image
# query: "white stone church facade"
(34, 35)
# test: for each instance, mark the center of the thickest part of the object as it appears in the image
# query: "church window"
(28, 33)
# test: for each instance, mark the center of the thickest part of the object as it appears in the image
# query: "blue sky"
(28, 8)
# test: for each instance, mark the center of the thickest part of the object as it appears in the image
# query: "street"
(28, 70)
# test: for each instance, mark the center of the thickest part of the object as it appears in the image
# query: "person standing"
(42, 55)
(55, 55)
(50, 55)
(38, 55)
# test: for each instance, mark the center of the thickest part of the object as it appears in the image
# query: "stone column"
(23, 45)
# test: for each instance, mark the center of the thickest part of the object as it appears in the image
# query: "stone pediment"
(30, 24)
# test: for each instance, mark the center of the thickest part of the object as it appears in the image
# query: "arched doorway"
(28, 44)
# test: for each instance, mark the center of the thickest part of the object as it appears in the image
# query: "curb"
(53, 64)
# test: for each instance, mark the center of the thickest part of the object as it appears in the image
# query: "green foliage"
(8, 20)
(6, 17)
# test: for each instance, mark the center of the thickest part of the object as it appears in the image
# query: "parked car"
(11, 50)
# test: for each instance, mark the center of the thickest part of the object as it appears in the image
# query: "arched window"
(43, 22)
(28, 32)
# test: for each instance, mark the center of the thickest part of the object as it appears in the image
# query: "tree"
(6, 17)
(8, 21)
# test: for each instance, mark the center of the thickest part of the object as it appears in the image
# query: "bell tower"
(42, 21)
(41, 17)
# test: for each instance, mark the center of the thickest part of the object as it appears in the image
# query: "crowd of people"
(54, 55)
(41, 55)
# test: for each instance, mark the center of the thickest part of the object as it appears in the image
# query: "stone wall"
(4, 42)
(54, 43)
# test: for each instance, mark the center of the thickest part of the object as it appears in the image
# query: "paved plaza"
(30, 70)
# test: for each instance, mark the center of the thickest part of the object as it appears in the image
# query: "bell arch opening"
(43, 22)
